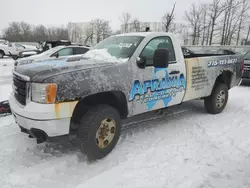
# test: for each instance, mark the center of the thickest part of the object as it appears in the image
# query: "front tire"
(99, 131)
(217, 101)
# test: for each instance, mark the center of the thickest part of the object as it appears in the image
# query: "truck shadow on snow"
(133, 126)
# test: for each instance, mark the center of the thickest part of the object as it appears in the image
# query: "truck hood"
(39, 71)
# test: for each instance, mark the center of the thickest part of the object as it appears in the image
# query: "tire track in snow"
(177, 143)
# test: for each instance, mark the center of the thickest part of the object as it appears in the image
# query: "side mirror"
(57, 55)
(141, 62)
(161, 58)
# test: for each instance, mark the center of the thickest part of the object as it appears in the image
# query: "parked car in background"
(12, 49)
(46, 45)
(246, 73)
(53, 53)
(3, 41)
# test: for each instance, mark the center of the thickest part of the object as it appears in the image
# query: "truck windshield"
(115, 48)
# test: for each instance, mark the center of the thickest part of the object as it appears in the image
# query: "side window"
(247, 56)
(158, 42)
(19, 46)
(65, 52)
(79, 50)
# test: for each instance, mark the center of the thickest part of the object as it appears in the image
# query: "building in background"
(142, 26)
(178, 29)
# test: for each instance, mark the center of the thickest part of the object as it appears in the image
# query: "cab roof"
(143, 34)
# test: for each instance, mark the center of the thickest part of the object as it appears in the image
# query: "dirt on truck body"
(122, 76)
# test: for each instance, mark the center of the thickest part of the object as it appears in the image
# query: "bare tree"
(125, 19)
(106, 29)
(245, 7)
(13, 32)
(100, 29)
(248, 34)
(40, 33)
(24, 32)
(89, 33)
(57, 33)
(231, 21)
(204, 24)
(193, 16)
(168, 18)
(215, 10)
(136, 25)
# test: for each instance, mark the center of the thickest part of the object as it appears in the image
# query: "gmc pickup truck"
(124, 75)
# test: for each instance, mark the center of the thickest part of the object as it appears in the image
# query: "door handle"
(174, 72)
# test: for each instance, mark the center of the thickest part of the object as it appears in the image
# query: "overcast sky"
(57, 12)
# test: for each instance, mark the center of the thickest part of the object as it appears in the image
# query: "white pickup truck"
(122, 76)
(13, 49)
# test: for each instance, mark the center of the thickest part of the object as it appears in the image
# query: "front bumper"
(39, 117)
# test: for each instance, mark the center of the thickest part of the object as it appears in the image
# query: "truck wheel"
(217, 101)
(99, 131)
(1, 54)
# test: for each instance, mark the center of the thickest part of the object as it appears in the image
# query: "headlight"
(43, 92)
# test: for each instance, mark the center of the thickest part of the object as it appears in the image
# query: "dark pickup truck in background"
(246, 73)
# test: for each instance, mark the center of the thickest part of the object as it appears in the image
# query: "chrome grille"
(20, 89)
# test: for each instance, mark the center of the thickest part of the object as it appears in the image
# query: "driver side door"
(156, 88)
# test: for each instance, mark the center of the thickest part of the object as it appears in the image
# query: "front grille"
(19, 88)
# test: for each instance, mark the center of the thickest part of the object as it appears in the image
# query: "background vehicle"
(44, 46)
(246, 73)
(12, 49)
(122, 76)
(5, 107)
(53, 53)
(3, 41)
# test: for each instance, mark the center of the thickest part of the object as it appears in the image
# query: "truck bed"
(201, 73)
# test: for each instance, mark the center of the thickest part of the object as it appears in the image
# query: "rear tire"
(94, 125)
(217, 101)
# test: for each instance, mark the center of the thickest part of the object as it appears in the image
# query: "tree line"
(223, 22)
(25, 32)
(90, 33)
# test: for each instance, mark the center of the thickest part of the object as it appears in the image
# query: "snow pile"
(103, 55)
(183, 148)
(6, 67)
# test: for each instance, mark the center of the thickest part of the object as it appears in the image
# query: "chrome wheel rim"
(221, 98)
(105, 133)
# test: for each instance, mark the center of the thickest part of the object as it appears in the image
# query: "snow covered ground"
(184, 148)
